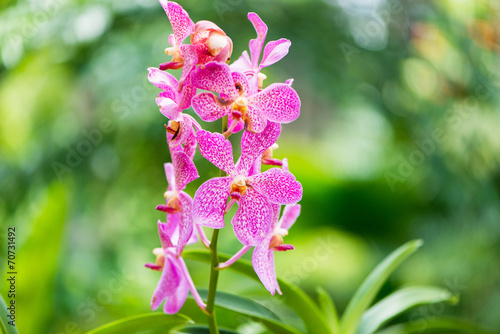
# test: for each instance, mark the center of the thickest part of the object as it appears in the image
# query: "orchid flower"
(172, 103)
(273, 52)
(178, 203)
(277, 103)
(254, 194)
(263, 254)
(208, 41)
(175, 281)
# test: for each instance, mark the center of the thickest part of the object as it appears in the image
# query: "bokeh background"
(399, 138)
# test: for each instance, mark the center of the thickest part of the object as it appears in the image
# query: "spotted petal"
(254, 144)
(165, 231)
(255, 120)
(190, 58)
(209, 107)
(263, 264)
(217, 149)
(170, 175)
(182, 25)
(242, 64)
(185, 221)
(274, 51)
(278, 102)
(289, 216)
(210, 202)
(278, 186)
(216, 77)
(172, 287)
(163, 80)
(256, 45)
(168, 107)
(184, 169)
(253, 219)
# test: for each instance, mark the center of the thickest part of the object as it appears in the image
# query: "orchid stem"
(214, 276)
(214, 263)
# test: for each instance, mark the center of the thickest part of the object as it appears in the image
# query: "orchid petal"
(254, 144)
(275, 51)
(168, 107)
(190, 146)
(210, 202)
(240, 126)
(289, 216)
(165, 232)
(171, 65)
(169, 281)
(208, 107)
(163, 80)
(278, 186)
(256, 45)
(217, 149)
(174, 286)
(252, 220)
(182, 26)
(240, 80)
(216, 77)
(190, 58)
(278, 102)
(186, 95)
(242, 64)
(170, 175)
(255, 121)
(263, 264)
(185, 131)
(185, 221)
(184, 169)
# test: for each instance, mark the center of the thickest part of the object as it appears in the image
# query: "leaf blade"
(4, 321)
(400, 301)
(295, 297)
(372, 284)
(142, 322)
(329, 310)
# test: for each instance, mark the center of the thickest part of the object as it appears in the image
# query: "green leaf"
(328, 307)
(200, 329)
(434, 325)
(371, 286)
(142, 322)
(253, 310)
(4, 321)
(295, 298)
(240, 304)
(400, 301)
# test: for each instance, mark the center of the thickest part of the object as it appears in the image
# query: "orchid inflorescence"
(236, 92)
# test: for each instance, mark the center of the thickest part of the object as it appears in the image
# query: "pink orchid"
(183, 55)
(254, 194)
(172, 103)
(178, 203)
(211, 42)
(175, 281)
(208, 41)
(277, 103)
(263, 254)
(273, 52)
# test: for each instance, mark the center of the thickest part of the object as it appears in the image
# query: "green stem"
(212, 288)
(214, 263)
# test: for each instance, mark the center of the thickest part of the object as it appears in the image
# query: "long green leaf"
(434, 325)
(199, 329)
(142, 322)
(371, 286)
(240, 304)
(400, 301)
(4, 321)
(328, 307)
(295, 298)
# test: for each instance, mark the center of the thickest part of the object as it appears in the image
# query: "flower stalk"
(214, 264)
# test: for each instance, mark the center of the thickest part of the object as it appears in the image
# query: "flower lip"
(238, 187)
(240, 104)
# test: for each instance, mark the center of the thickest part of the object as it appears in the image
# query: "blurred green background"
(399, 138)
